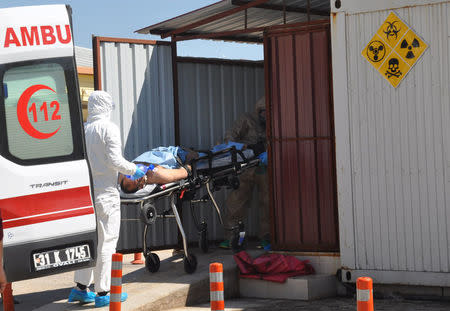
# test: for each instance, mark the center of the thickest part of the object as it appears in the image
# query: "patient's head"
(131, 186)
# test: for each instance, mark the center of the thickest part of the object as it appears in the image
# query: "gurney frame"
(185, 189)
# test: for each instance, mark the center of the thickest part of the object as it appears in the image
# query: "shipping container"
(392, 139)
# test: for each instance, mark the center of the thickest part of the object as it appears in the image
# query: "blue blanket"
(163, 156)
(166, 156)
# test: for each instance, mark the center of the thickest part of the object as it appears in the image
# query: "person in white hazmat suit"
(105, 157)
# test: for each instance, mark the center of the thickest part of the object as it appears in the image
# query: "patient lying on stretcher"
(162, 165)
(167, 166)
(158, 175)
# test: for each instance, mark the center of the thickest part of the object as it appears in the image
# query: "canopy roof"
(239, 20)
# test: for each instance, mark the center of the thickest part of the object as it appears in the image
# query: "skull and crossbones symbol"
(393, 69)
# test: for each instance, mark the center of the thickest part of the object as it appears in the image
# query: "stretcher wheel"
(203, 240)
(152, 262)
(190, 264)
(148, 214)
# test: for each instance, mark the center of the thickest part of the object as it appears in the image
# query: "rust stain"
(333, 20)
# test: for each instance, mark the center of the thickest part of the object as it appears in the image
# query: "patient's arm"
(161, 175)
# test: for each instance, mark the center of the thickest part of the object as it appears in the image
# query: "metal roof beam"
(213, 18)
(231, 35)
(281, 8)
(219, 34)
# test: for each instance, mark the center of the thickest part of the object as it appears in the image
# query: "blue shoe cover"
(101, 301)
(81, 296)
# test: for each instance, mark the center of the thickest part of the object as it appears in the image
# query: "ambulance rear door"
(45, 190)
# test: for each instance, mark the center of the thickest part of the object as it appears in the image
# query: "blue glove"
(263, 158)
(138, 174)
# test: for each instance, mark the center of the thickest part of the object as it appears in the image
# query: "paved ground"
(171, 287)
(168, 288)
(337, 304)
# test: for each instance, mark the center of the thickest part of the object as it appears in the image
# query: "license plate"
(61, 257)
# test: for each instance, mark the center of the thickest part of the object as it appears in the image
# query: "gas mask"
(262, 116)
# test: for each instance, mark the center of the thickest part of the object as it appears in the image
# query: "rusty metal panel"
(302, 140)
(254, 17)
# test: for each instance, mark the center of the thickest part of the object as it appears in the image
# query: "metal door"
(302, 168)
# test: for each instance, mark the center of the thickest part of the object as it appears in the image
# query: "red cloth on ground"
(271, 267)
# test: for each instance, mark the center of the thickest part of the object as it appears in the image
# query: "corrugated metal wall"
(212, 95)
(139, 78)
(399, 148)
(302, 140)
(83, 57)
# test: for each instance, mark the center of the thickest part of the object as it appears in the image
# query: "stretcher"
(212, 171)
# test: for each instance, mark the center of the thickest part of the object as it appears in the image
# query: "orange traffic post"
(115, 303)
(364, 294)
(137, 259)
(216, 286)
(8, 299)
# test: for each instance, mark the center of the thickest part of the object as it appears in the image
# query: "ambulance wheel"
(152, 262)
(190, 264)
(203, 239)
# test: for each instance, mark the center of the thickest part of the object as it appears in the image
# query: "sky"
(121, 19)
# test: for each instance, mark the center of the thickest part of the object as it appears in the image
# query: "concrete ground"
(331, 304)
(172, 289)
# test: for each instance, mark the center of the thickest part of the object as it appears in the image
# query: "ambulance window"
(37, 112)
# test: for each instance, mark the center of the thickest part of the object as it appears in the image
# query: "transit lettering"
(50, 184)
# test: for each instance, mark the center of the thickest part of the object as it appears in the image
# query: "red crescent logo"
(22, 114)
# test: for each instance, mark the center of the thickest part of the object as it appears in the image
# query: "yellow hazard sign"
(394, 49)
(394, 69)
(392, 29)
(376, 51)
(410, 47)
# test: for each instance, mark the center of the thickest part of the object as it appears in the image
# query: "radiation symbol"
(410, 48)
(394, 49)
(405, 45)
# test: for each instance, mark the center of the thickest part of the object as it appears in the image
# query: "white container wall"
(212, 95)
(393, 148)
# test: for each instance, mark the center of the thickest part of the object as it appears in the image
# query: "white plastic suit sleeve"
(114, 152)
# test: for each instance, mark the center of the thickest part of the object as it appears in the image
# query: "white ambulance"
(46, 201)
